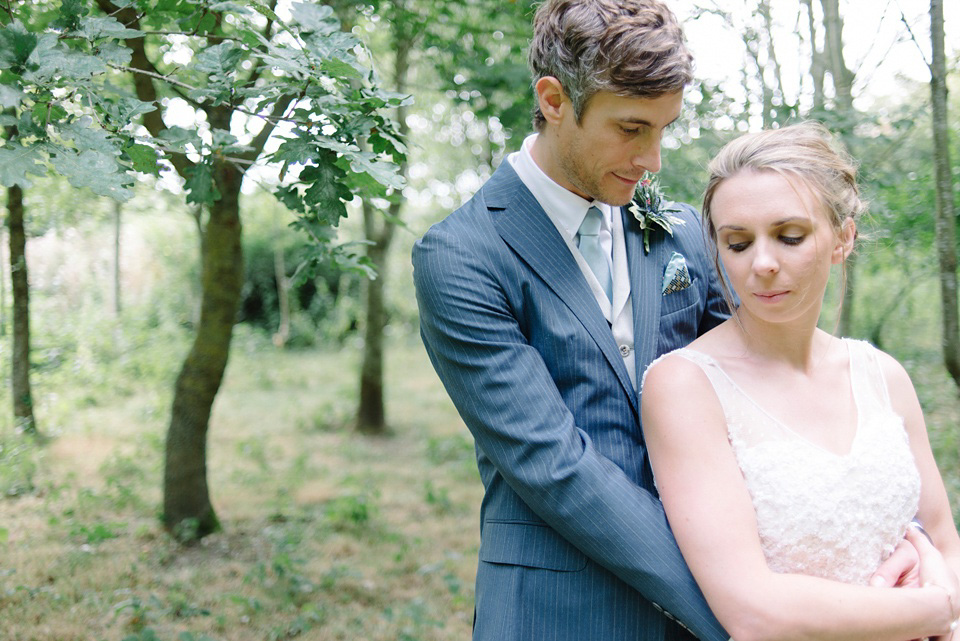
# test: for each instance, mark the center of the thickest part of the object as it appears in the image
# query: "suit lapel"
(645, 276)
(529, 232)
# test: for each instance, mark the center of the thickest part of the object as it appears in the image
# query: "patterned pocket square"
(675, 276)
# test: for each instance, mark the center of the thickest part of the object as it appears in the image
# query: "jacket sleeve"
(508, 400)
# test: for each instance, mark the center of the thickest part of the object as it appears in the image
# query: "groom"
(540, 309)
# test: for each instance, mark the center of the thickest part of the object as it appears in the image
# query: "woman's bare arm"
(713, 518)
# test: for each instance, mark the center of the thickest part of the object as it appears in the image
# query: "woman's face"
(776, 245)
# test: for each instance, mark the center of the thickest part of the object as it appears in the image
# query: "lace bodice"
(820, 513)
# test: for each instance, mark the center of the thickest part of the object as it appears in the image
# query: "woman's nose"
(764, 259)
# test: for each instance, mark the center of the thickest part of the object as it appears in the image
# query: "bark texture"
(187, 510)
(20, 383)
(945, 225)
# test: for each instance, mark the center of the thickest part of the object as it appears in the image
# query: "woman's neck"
(798, 345)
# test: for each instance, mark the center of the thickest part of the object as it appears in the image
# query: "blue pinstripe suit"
(574, 543)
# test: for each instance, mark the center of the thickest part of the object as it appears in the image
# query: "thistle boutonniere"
(651, 210)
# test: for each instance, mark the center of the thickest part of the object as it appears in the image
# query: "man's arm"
(505, 395)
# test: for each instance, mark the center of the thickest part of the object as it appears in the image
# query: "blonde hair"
(807, 152)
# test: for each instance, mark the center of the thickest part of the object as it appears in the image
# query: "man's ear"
(845, 240)
(552, 99)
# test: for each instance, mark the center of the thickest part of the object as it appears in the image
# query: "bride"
(791, 462)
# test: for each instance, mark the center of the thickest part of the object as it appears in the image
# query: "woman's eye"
(792, 240)
(629, 132)
(737, 247)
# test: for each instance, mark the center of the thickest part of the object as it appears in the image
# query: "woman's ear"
(551, 98)
(845, 240)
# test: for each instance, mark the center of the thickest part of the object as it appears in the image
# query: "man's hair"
(627, 47)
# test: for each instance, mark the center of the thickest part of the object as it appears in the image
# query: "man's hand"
(900, 570)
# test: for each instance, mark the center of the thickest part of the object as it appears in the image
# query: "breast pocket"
(680, 317)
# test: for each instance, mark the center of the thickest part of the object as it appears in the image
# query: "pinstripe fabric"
(574, 544)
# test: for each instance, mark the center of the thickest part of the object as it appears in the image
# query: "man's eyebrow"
(645, 122)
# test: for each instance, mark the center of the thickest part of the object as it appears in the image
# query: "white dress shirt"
(567, 210)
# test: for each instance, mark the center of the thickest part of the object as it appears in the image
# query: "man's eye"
(628, 131)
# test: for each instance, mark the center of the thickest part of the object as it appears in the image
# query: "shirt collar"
(562, 205)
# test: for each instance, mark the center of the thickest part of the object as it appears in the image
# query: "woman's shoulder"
(893, 371)
(676, 372)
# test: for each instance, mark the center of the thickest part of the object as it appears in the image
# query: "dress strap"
(868, 381)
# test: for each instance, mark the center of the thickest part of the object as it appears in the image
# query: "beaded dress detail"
(820, 513)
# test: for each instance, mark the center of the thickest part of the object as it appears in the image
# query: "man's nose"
(648, 157)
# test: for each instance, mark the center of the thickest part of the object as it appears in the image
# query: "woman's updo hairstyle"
(807, 152)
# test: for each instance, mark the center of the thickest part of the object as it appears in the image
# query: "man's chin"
(616, 200)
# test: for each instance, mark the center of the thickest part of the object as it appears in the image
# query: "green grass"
(327, 534)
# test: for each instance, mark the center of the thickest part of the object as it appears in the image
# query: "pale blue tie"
(589, 243)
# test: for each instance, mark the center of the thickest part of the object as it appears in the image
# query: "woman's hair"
(627, 47)
(806, 152)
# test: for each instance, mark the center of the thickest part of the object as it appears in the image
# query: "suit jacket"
(574, 542)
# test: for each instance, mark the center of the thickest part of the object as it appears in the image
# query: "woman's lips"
(771, 297)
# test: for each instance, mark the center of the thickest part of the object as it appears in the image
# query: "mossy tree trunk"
(187, 510)
(20, 381)
(946, 224)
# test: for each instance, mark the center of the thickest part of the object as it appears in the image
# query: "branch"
(143, 80)
(903, 18)
(153, 74)
(278, 115)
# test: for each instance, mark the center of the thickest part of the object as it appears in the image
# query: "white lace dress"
(819, 513)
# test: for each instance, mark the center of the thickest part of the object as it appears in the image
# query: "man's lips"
(630, 181)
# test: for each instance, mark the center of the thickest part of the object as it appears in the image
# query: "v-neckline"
(805, 439)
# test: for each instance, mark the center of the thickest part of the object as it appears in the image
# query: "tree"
(945, 225)
(48, 89)
(117, 228)
(22, 394)
(406, 29)
(252, 75)
(472, 53)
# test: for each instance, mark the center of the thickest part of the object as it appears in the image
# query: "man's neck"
(544, 154)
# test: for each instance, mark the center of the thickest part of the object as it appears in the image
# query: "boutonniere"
(651, 210)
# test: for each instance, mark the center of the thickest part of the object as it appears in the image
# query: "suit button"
(625, 350)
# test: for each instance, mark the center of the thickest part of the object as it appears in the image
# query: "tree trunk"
(945, 225)
(845, 322)
(833, 48)
(283, 297)
(772, 60)
(3, 287)
(117, 302)
(22, 396)
(187, 511)
(816, 60)
(371, 413)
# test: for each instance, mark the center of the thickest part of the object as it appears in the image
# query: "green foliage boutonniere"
(651, 210)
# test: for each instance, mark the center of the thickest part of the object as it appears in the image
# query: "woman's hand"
(900, 570)
(934, 572)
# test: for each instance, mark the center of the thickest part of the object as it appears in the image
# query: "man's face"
(605, 155)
